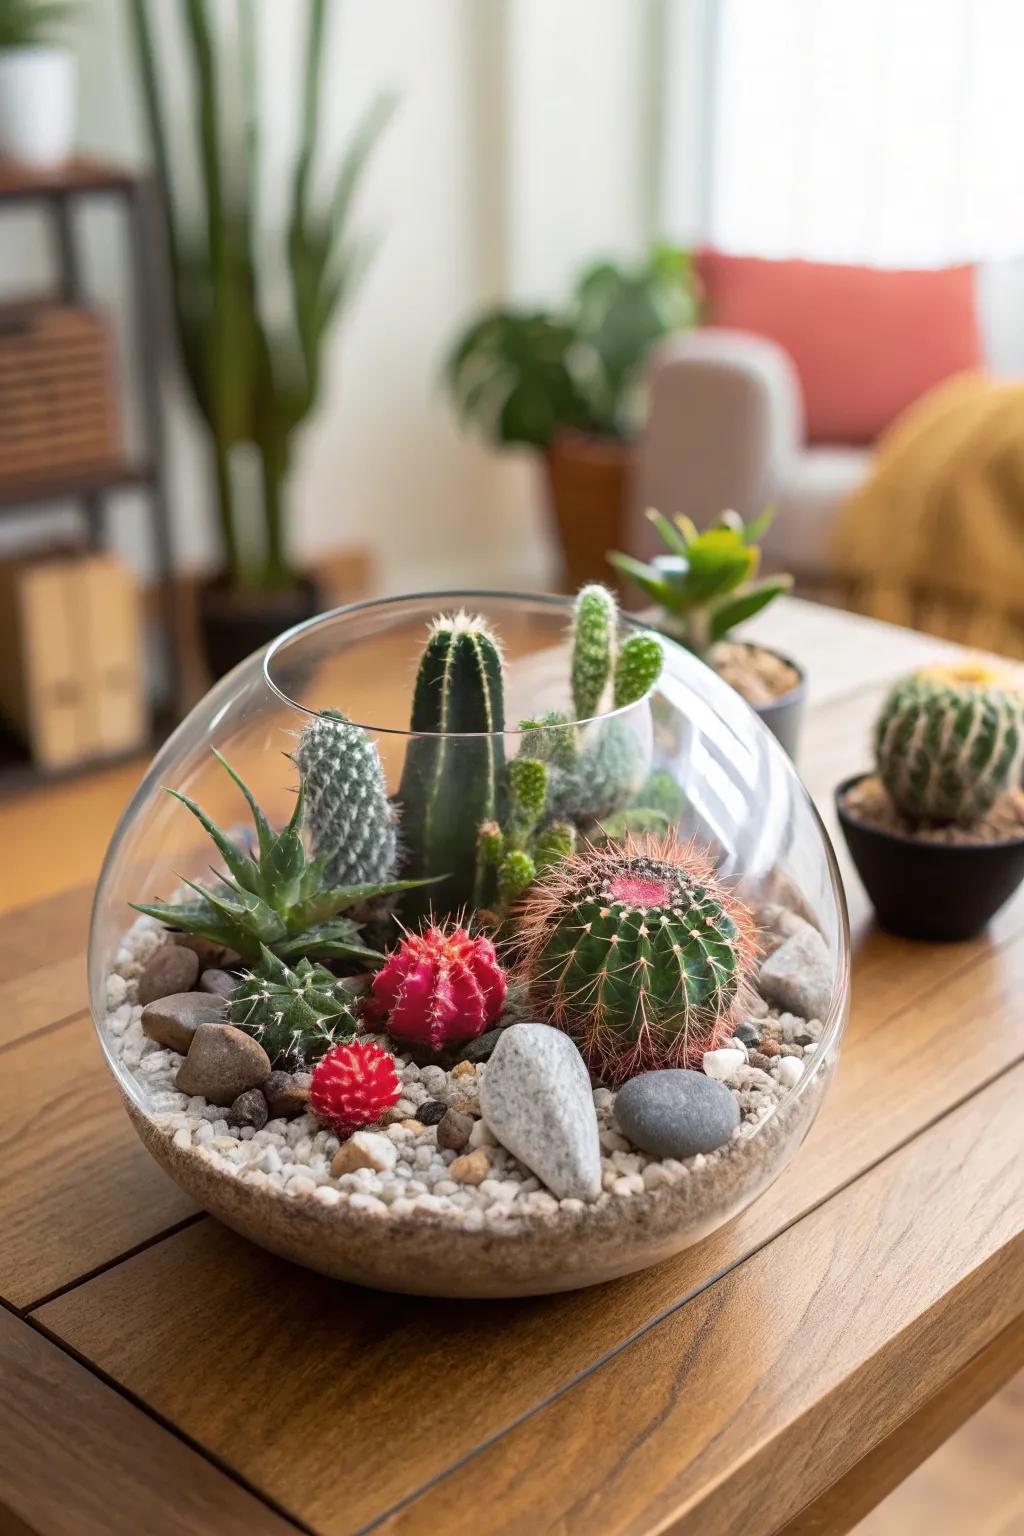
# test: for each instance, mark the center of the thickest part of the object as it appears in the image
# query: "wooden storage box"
(58, 402)
(71, 685)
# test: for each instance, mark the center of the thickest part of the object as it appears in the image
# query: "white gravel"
(295, 1156)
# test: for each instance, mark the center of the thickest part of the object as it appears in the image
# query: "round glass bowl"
(740, 799)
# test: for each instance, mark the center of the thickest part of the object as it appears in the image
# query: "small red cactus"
(439, 987)
(353, 1085)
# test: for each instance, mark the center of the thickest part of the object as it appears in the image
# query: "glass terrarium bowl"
(741, 800)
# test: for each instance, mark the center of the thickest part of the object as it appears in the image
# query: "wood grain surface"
(79, 1460)
(728, 1389)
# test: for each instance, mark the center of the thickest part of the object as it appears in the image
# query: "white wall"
(524, 144)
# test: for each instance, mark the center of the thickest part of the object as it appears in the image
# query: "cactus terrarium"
(937, 830)
(471, 944)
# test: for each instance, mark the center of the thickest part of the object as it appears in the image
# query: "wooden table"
(161, 1375)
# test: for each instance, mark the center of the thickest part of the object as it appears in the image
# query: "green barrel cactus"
(638, 952)
(454, 765)
(350, 819)
(296, 1014)
(949, 741)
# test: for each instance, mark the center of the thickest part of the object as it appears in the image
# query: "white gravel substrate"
(295, 1156)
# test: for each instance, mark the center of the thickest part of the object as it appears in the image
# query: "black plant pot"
(944, 892)
(784, 716)
(233, 624)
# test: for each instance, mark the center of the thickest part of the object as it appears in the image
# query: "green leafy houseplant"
(254, 378)
(29, 23)
(524, 375)
(706, 583)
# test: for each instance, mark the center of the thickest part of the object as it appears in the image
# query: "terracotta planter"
(232, 624)
(588, 485)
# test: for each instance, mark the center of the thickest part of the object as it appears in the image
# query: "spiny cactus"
(450, 781)
(638, 953)
(525, 843)
(593, 649)
(296, 1015)
(612, 763)
(350, 819)
(439, 987)
(278, 899)
(637, 668)
(949, 741)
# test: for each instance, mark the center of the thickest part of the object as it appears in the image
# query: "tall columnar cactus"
(638, 953)
(350, 819)
(454, 764)
(295, 1014)
(949, 741)
(593, 648)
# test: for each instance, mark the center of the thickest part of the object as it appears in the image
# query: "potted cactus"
(937, 829)
(255, 372)
(704, 585)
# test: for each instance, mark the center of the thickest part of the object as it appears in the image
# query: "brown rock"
(206, 951)
(285, 1097)
(464, 1069)
(471, 1167)
(453, 1130)
(412, 1125)
(170, 970)
(467, 1106)
(769, 1047)
(220, 983)
(222, 1062)
(250, 1108)
(758, 1059)
(172, 1021)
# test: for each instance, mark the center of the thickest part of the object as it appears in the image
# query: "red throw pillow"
(866, 342)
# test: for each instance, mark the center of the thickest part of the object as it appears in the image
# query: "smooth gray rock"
(676, 1113)
(535, 1098)
(222, 1062)
(220, 983)
(172, 1021)
(171, 970)
(453, 1130)
(798, 976)
(482, 1048)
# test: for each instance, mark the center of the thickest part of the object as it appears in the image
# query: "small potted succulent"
(704, 585)
(37, 85)
(937, 830)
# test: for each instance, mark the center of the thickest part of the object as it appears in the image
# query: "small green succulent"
(296, 1015)
(277, 900)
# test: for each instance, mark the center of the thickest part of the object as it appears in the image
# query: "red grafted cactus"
(353, 1085)
(439, 987)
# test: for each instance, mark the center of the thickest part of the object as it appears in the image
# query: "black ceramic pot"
(233, 624)
(945, 892)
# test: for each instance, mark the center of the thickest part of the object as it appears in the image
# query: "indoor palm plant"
(37, 84)
(255, 376)
(569, 383)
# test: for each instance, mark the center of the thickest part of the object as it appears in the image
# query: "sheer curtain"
(885, 131)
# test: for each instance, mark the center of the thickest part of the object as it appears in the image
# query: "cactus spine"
(949, 741)
(295, 1014)
(454, 764)
(351, 822)
(638, 953)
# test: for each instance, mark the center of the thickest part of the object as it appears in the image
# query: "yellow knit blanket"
(934, 538)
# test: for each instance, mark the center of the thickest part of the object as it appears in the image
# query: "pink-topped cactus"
(440, 987)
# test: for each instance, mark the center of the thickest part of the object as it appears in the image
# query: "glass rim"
(553, 600)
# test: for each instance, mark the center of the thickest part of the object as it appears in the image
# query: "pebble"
(453, 1130)
(250, 1108)
(471, 1167)
(676, 1113)
(209, 954)
(747, 1033)
(220, 983)
(723, 1064)
(365, 1149)
(790, 1070)
(482, 1047)
(464, 1069)
(769, 1047)
(222, 1062)
(171, 969)
(172, 1021)
(537, 1100)
(758, 1059)
(432, 1112)
(434, 1080)
(798, 976)
(286, 1095)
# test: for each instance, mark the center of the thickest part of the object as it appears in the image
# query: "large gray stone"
(798, 976)
(676, 1113)
(535, 1097)
(172, 1021)
(222, 1062)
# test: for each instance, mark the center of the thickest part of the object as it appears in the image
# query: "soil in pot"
(772, 685)
(233, 624)
(942, 883)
